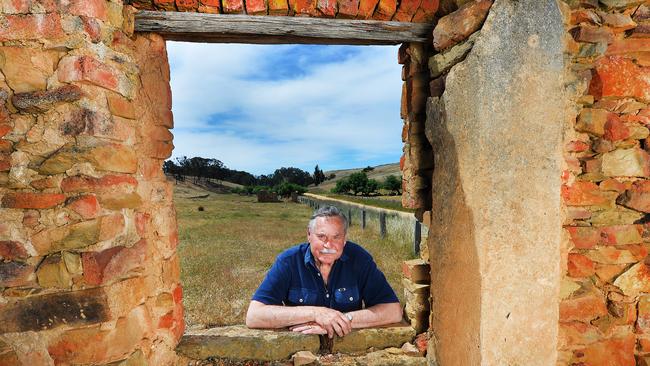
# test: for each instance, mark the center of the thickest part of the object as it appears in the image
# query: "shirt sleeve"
(273, 290)
(375, 289)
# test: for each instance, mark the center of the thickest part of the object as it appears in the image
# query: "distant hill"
(379, 173)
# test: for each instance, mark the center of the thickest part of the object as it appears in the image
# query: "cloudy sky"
(258, 107)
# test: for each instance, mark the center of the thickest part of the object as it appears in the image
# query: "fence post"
(363, 218)
(349, 217)
(382, 224)
(417, 237)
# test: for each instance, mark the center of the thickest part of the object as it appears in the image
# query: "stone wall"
(88, 271)
(605, 291)
(418, 11)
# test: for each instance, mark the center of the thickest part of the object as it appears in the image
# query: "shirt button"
(300, 300)
(351, 298)
(327, 296)
(318, 274)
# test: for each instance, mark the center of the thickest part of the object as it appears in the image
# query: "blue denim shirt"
(354, 281)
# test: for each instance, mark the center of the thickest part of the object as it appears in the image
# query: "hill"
(379, 173)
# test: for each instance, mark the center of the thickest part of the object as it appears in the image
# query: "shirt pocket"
(347, 298)
(302, 296)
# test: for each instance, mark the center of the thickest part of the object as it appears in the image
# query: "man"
(319, 287)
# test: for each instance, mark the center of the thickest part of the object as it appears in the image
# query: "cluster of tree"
(280, 180)
(283, 189)
(203, 168)
(360, 183)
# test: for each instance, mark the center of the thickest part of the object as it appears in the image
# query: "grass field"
(227, 248)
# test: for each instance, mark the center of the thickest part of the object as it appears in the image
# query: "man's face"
(327, 239)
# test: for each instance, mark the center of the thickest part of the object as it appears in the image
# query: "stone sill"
(237, 342)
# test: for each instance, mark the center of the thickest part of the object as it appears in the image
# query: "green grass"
(227, 248)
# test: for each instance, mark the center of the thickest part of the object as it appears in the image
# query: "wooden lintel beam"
(220, 28)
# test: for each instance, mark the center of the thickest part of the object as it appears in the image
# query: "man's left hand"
(309, 328)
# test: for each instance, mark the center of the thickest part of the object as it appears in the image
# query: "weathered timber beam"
(219, 28)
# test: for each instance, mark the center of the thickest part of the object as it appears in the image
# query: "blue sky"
(260, 107)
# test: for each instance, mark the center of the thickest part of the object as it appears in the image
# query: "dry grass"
(227, 248)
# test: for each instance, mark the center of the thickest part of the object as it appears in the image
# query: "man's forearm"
(380, 314)
(277, 316)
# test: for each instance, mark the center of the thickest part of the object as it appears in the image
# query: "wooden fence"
(396, 224)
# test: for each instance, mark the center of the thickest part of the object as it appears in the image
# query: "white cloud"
(258, 108)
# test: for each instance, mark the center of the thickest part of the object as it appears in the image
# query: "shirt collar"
(309, 258)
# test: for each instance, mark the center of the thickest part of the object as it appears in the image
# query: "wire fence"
(401, 226)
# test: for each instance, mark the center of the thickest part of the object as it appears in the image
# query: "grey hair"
(328, 211)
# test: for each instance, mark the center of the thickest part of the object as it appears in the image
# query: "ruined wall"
(88, 270)
(605, 312)
(495, 123)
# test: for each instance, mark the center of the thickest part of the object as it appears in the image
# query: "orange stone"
(32, 200)
(255, 7)
(121, 107)
(87, 68)
(31, 27)
(348, 9)
(583, 193)
(406, 10)
(610, 352)
(278, 7)
(385, 10)
(105, 183)
(86, 206)
(615, 129)
(580, 266)
(616, 76)
(366, 8)
(637, 197)
(165, 4)
(233, 6)
(113, 263)
(459, 25)
(578, 333)
(584, 308)
(628, 45)
(89, 8)
(426, 12)
(577, 146)
(302, 7)
(10, 250)
(187, 5)
(588, 16)
(5, 129)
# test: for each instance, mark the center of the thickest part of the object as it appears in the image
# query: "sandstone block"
(187, 5)
(635, 280)
(616, 76)
(615, 129)
(347, 9)
(443, 62)
(13, 274)
(86, 206)
(616, 351)
(31, 27)
(233, 6)
(88, 8)
(52, 272)
(107, 183)
(592, 34)
(620, 4)
(27, 69)
(416, 270)
(108, 157)
(366, 8)
(459, 25)
(592, 121)
(637, 197)
(41, 101)
(302, 7)
(239, 342)
(74, 236)
(255, 7)
(607, 272)
(113, 263)
(32, 200)
(619, 216)
(620, 22)
(302, 358)
(118, 200)
(11, 250)
(643, 317)
(212, 6)
(42, 312)
(583, 193)
(278, 7)
(89, 69)
(578, 333)
(406, 10)
(362, 339)
(580, 266)
(633, 162)
(385, 10)
(426, 12)
(618, 255)
(583, 308)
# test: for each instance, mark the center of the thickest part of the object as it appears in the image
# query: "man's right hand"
(332, 321)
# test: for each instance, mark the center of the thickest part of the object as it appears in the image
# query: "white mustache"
(328, 251)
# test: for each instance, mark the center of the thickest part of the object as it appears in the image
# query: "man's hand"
(309, 328)
(332, 321)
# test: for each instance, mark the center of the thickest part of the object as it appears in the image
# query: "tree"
(359, 183)
(319, 176)
(393, 184)
(367, 169)
(342, 187)
(292, 175)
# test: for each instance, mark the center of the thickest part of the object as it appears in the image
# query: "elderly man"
(325, 286)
